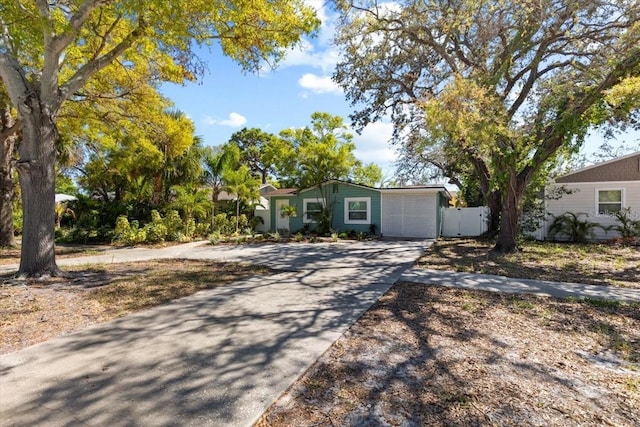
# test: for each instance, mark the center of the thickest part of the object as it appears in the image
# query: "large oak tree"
(49, 50)
(504, 86)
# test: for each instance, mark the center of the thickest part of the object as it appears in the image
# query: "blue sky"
(226, 100)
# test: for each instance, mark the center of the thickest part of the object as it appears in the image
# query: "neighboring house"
(263, 209)
(411, 212)
(261, 205)
(598, 192)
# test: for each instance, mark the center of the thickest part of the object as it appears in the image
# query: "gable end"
(623, 169)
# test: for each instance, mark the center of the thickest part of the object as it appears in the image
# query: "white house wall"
(584, 200)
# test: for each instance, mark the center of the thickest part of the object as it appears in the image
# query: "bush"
(202, 229)
(627, 227)
(102, 234)
(568, 226)
(156, 231)
(223, 225)
(215, 238)
(243, 222)
(129, 233)
(122, 228)
(190, 229)
(174, 225)
(275, 236)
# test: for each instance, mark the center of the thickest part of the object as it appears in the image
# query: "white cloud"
(209, 121)
(235, 120)
(318, 52)
(319, 84)
(374, 145)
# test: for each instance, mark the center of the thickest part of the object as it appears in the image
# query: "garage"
(410, 213)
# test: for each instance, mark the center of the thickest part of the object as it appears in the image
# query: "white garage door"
(409, 215)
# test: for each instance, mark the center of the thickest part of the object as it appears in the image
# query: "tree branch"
(90, 68)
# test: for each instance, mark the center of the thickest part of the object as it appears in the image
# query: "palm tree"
(244, 185)
(191, 201)
(217, 162)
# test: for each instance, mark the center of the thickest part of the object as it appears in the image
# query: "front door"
(282, 223)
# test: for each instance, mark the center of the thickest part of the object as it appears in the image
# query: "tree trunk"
(494, 202)
(511, 209)
(7, 185)
(37, 180)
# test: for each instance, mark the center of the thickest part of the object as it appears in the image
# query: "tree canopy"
(50, 50)
(314, 154)
(503, 86)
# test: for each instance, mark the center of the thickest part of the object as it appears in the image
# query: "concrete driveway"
(217, 358)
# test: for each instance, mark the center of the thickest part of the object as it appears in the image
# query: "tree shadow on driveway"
(218, 357)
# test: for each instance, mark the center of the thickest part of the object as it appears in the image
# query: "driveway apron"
(217, 358)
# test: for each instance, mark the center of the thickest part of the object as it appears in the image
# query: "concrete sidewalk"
(217, 358)
(524, 286)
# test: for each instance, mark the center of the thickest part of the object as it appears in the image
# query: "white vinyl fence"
(465, 222)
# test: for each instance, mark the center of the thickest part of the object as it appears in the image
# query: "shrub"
(129, 233)
(156, 230)
(215, 238)
(122, 228)
(568, 226)
(202, 229)
(275, 236)
(298, 237)
(255, 221)
(223, 225)
(627, 227)
(189, 229)
(174, 225)
(334, 237)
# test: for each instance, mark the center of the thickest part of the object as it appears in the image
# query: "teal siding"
(442, 202)
(337, 192)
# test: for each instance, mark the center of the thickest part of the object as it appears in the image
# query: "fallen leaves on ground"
(35, 311)
(592, 263)
(425, 355)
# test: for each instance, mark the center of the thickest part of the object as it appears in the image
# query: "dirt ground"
(35, 311)
(606, 264)
(422, 356)
(430, 356)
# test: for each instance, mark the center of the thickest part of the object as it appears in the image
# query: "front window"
(609, 201)
(312, 210)
(357, 210)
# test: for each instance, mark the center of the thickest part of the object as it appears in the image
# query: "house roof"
(407, 189)
(625, 168)
(224, 196)
(418, 189)
(282, 192)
